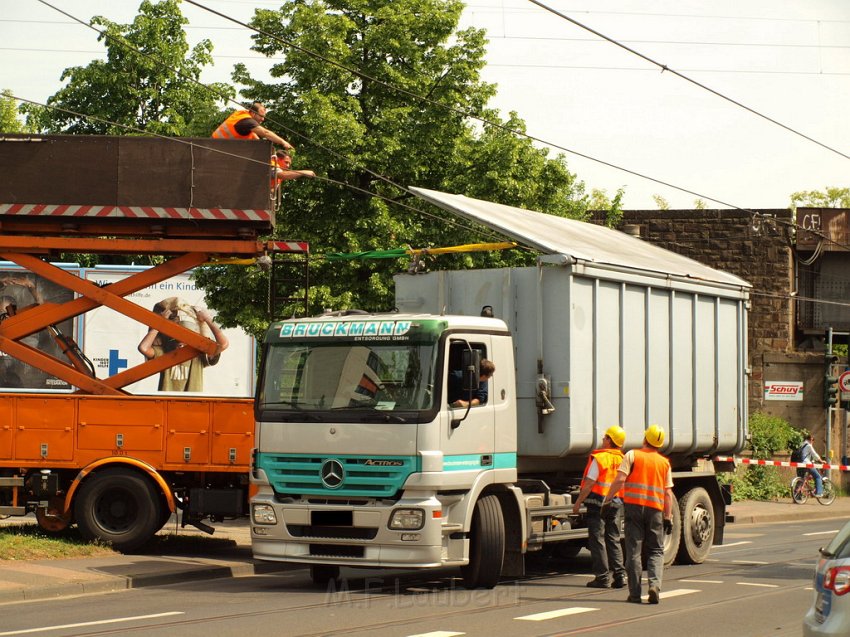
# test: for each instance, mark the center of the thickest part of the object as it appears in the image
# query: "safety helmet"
(654, 435)
(617, 434)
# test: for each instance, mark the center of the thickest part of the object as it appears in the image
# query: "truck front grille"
(362, 476)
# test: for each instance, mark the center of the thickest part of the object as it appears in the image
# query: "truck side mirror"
(470, 376)
(471, 372)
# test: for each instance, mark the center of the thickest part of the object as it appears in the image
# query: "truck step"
(448, 529)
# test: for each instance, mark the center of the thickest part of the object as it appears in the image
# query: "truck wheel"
(671, 542)
(119, 507)
(324, 574)
(486, 545)
(697, 526)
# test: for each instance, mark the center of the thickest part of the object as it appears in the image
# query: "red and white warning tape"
(783, 463)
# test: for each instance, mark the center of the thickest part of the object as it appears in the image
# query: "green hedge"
(769, 436)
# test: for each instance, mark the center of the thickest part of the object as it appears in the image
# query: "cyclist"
(808, 453)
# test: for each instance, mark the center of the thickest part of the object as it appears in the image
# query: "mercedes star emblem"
(332, 474)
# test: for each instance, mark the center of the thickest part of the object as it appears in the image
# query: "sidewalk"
(46, 579)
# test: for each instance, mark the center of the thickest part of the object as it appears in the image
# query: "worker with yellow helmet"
(648, 497)
(603, 525)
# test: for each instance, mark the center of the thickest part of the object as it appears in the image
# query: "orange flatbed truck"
(115, 464)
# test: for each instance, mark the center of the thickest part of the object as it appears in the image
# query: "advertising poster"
(112, 341)
(20, 289)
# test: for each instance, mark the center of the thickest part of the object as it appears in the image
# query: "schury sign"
(783, 390)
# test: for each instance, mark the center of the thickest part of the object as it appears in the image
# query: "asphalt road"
(758, 583)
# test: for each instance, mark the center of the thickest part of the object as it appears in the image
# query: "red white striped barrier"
(783, 463)
(289, 246)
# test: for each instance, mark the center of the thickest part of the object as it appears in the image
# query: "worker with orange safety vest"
(648, 498)
(603, 525)
(245, 124)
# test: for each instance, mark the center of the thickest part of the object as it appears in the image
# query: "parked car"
(830, 611)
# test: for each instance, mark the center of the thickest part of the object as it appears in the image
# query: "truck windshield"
(361, 378)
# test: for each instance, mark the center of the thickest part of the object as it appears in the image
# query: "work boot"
(634, 600)
(654, 594)
(619, 582)
(597, 583)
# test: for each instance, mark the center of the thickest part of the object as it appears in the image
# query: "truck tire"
(486, 545)
(118, 506)
(697, 526)
(324, 574)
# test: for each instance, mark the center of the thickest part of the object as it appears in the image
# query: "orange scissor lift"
(116, 464)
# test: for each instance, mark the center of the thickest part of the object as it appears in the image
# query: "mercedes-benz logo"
(332, 474)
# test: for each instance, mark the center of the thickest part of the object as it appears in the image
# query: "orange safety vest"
(645, 485)
(274, 182)
(608, 461)
(227, 130)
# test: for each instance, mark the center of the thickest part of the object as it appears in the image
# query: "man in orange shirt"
(246, 124)
(648, 497)
(603, 525)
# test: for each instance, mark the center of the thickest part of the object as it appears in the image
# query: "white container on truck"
(361, 460)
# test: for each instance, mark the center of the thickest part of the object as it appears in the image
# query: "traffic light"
(830, 382)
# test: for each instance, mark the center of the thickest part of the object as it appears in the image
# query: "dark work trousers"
(603, 540)
(644, 524)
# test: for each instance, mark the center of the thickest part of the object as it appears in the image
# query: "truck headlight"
(407, 519)
(263, 514)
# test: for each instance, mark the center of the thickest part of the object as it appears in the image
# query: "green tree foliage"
(350, 128)
(829, 197)
(152, 90)
(9, 122)
(661, 202)
(613, 208)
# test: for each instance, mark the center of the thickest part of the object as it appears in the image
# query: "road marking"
(438, 633)
(821, 533)
(757, 584)
(677, 592)
(753, 562)
(553, 614)
(96, 623)
(702, 581)
(726, 546)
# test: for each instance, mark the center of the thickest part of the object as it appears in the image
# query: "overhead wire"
(665, 68)
(464, 112)
(459, 111)
(450, 222)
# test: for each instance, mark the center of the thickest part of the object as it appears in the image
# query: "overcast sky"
(790, 61)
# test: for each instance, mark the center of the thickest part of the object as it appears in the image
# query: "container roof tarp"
(577, 240)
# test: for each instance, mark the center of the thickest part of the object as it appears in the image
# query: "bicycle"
(803, 488)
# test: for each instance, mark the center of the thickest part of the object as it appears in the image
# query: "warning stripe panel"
(783, 463)
(134, 212)
(289, 246)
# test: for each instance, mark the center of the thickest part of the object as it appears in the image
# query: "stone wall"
(753, 248)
